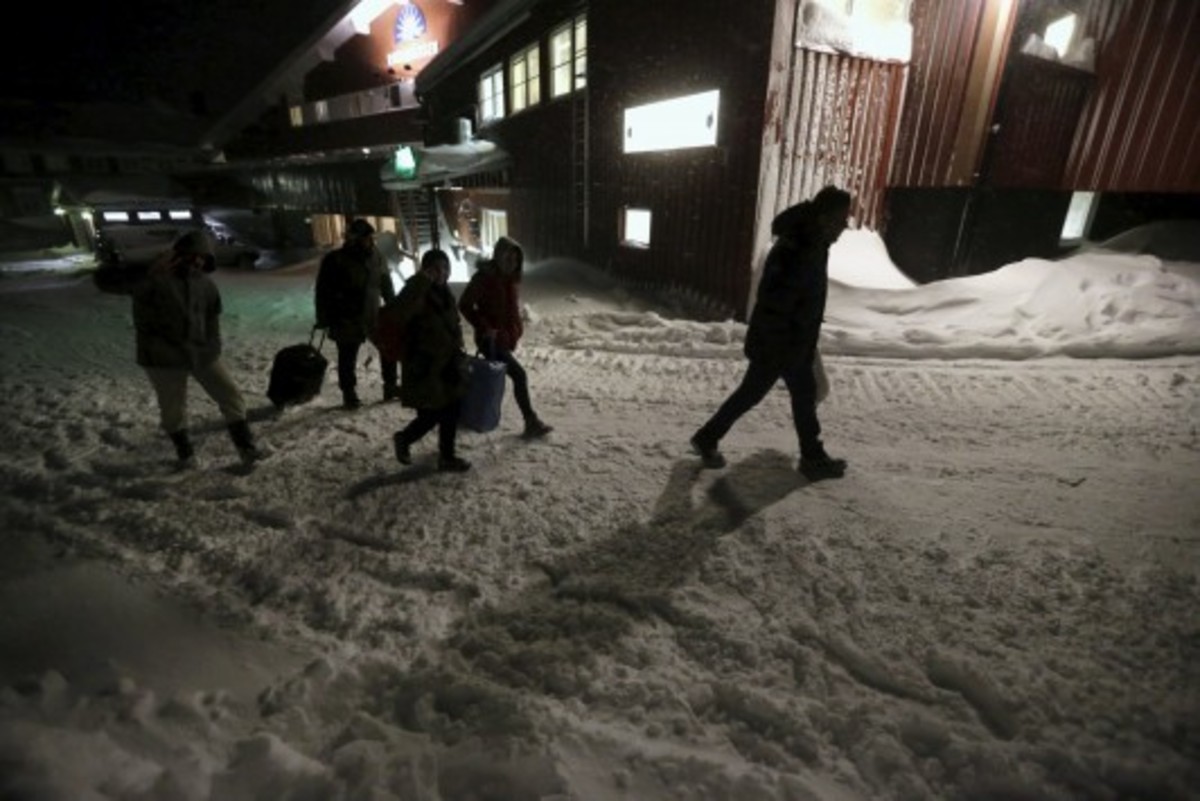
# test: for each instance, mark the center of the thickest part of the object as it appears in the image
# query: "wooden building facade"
(964, 151)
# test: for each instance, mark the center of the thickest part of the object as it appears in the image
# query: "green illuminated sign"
(404, 163)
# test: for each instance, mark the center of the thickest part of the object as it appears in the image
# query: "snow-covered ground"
(999, 600)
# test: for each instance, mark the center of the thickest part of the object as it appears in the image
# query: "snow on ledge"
(829, 30)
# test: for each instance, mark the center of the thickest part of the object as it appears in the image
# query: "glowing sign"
(404, 163)
(410, 24)
(409, 29)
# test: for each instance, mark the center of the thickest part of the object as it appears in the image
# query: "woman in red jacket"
(491, 304)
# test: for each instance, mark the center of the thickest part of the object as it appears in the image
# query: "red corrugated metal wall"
(838, 127)
(1140, 131)
(1036, 120)
(945, 34)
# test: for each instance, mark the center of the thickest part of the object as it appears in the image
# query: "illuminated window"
(1060, 33)
(491, 94)
(321, 111)
(148, 216)
(580, 52)
(568, 57)
(176, 214)
(493, 224)
(116, 216)
(1079, 216)
(673, 124)
(635, 227)
(296, 116)
(524, 79)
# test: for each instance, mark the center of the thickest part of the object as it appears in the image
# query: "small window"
(321, 111)
(568, 57)
(296, 116)
(176, 214)
(491, 94)
(1079, 217)
(149, 216)
(116, 216)
(580, 52)
(673, 124)
(635, 227)
(1060, 33)
(524, 79)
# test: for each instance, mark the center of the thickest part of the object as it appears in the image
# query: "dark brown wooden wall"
(703, 200)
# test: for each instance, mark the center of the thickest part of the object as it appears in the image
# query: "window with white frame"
(491, 94)
(568, 57)
(493, 224)
(635, 227)
(680, 122)
(1079, 217)
(524, 78)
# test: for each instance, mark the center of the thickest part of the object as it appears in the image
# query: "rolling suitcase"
(480, 409)
(297, 373)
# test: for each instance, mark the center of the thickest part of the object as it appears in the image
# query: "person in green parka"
(432, 380)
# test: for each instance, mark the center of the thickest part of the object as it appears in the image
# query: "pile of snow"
(825, 27)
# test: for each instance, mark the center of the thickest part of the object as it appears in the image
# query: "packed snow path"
(1000, 596)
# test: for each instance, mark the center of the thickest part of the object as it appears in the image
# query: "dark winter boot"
(453, 464)
(710, 457)
(817, 465)
(535, 428)
(401, 447)
(183, 448)
(243, 440)
(350, 400)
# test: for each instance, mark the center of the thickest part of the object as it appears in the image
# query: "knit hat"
(194, 243)
(197, 243)
(360, 229)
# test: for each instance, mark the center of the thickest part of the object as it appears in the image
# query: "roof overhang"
(503, 17)
(439, 163)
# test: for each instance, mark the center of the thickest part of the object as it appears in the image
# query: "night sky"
(199, 56)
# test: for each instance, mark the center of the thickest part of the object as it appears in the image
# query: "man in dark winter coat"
(433, 381)
(781, 339)
(176, 315)
(351, 283)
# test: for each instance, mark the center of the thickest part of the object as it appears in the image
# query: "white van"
(136, 237)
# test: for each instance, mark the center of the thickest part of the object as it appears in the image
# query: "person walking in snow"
(351, 283)
(176, 317)
(781, 338)
(432, 365)
(491, 304)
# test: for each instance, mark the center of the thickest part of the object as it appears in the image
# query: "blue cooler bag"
(484, 396)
